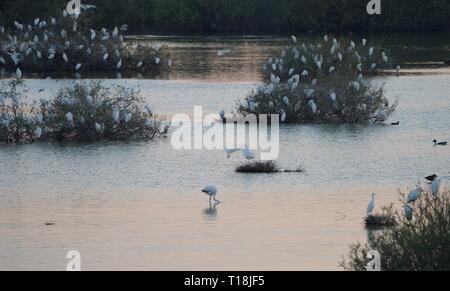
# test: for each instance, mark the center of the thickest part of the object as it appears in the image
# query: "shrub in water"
(18, 121)
(320, 82)
(66, 43)
(420, 241)
(90, 111)
(258, 167)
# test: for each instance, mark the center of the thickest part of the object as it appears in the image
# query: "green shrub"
(386, 218)
(419, 244)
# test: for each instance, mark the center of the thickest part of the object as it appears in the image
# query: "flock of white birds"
(61, 43)
(414, 195)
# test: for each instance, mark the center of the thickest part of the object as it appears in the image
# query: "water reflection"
(211, 211)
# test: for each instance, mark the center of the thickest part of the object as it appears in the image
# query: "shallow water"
(138, 206)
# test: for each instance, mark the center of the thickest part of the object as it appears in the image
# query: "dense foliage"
(322, 81)
(420, 242)
(263, 16)
(66, 42)
(79, 113)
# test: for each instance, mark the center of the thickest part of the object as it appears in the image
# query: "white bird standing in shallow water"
(371, 205)
(211, 191)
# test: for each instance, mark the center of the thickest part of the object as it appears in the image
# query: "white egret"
(283, 116)
(332, 69)
(364, 42)
(98, 127)
(355, 85)
(119, 64)
(115, 32)
(128, 117)
(169, 62)
(312, 105)
(333, 97)
(19, 73)
(223, 52)
(63, 33)
(371, 205)
(2, 60)
(274, 67)
(140, 64)
(157, 60)
(105, 56)
(304, 60)
(414, 195)
(77, 67)
(18, 25)
(286, 100)
(65, 58)
(211, 191)
(352, 44)
(89, 99)
(305, 73)
(359, 67)
(115, 115)
(435, 187)
(409, 212)
(384, 56)
(38, 132)
(69, 117)
(373, 66)
(291, 71)
(38, 54)
(325, 38)
(294, 39)
(371, 50)
(51, 56)
(248, 154)
(340, 57)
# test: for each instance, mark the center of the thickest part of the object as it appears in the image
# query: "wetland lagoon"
(138, 205)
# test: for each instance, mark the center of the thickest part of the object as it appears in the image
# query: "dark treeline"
(245, 16)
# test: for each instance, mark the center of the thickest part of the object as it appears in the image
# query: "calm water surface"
(137, 206)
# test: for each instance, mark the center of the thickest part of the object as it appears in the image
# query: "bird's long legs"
(218, 201)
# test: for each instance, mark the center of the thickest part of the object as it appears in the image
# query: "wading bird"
(211, 191)
(431, 178)
(371, 205)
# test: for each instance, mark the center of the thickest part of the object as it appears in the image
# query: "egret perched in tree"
(19, 73)
(371, 51)
(312, 105)
(77, 67)
(364, 42)
(435, 187)
(105, 56)
(286, 100)
(291, 71)
(294, 39)
(157, 60)
(119, 64)
(304, 60)
(115, 115)
(409, 212)
(128, 117)
(98, 127)
(371, 205)
(38, 132)
(69, 117)
(211, 191)
(140, 64)
(414, 195)
(332, 69)
(384, 56)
